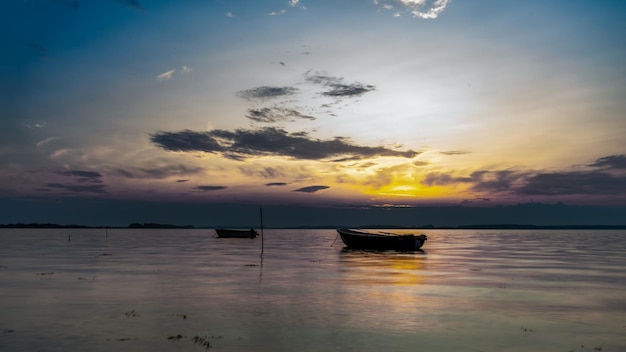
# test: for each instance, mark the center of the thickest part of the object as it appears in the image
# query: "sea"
(301, 290)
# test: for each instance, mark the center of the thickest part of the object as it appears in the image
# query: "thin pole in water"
(262, 242)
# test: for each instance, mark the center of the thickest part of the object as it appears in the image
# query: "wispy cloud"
(275, 114)
(166, 75)
(78, 188)
(241, 144)
(426, 9)
(170, 74)
(611, 162)
(336, 85)
(455, 152)
(267, 92)
(36, 125)
(266, 172)
(229, 14)
(46, 141)
(209, 188)
(277, 13)
(275, 184)
(82, 181)
(161, 172)
(92, 176)
(311, 189)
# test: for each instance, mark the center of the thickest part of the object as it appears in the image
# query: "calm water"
(179, 290)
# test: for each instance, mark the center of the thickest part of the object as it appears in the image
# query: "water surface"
(184, 290)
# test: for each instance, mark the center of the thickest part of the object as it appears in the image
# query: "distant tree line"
(148, 225)
(134, 225)
(42, 226)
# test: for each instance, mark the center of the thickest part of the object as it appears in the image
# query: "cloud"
(275, 114)
(166, 75)
(241, 144)
(482, 180)
(274, 13)
(611, 162)
(159, 172)
(83, 176)
(293, 3)
(426, 9)
(311, 189)
(170, 74)
(36, 125)
(537, 183)
(266, 92)
(337, 87)
(46, 141)
(266, 172)
(78, 188)
(181, 181)
(574, 183)
(229, 14)
(273, 184)
(455, 152)
(209, 188)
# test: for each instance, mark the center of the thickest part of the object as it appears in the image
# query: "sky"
(388, 104)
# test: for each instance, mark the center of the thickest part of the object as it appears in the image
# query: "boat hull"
(357, 239)
(228, 233)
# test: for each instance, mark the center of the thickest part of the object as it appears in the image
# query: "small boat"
(361, 239)
(228, 233)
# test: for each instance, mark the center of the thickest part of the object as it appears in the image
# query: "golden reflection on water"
(382, 268)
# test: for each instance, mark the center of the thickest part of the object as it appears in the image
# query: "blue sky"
(319, 103)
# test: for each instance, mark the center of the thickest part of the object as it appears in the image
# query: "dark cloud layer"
(266, 92)
(273, 184)
(89, 175)
(336, 86)
(531, 183)
(564, 183)
(82, 181)
(209, 188)
(159, 172)
(241, 144)
(611, 162)
(78, 188)
(311, 189)
(275, 114)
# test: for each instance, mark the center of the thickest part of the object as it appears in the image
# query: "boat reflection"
(382, 267)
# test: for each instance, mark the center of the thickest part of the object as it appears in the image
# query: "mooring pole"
(262, 240)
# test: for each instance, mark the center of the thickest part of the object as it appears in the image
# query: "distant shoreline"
(424, 227)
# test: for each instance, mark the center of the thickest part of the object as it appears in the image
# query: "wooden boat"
(361, 239)
(228, 233)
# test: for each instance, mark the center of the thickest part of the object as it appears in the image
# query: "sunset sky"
(326, 103)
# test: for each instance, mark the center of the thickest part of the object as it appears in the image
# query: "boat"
(362, 239)
(229, 233)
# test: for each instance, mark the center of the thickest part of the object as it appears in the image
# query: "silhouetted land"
(423, 227)
(134, 225)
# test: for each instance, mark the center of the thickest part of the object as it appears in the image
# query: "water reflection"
(382, 267)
